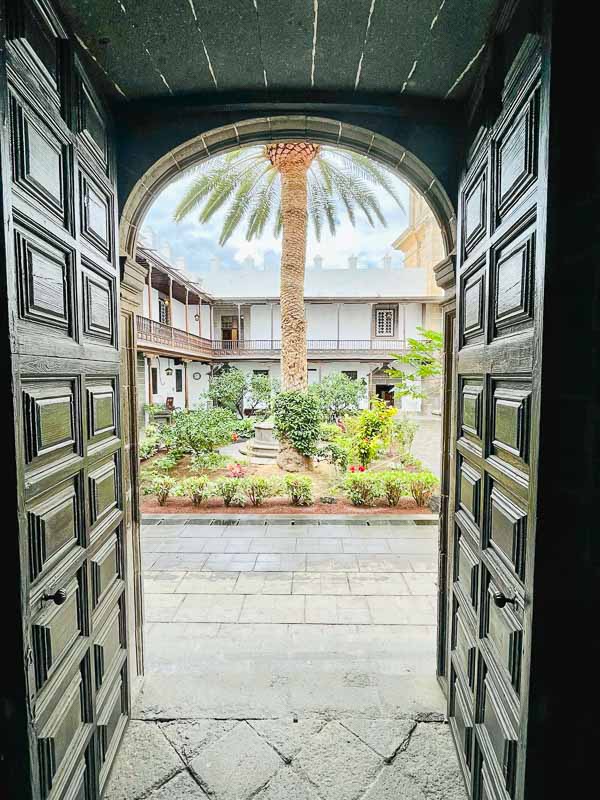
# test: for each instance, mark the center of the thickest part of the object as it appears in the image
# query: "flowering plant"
(236, 471)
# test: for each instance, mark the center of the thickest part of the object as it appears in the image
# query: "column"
(339, 307)
(272, 331)
(187, 324)
(239, 334)
(186, 391)
(199, 316)
(150, 292)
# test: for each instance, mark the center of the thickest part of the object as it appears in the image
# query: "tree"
(338, 395)
(423, 359)
(236, 391)
(287, 183)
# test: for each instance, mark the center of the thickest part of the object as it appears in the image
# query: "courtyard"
(289, 658)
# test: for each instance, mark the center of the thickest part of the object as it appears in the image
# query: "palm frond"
(242, 203)
(368, 170)
(266, 201)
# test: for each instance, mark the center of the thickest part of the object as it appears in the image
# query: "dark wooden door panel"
(63, 268)
(495, 433)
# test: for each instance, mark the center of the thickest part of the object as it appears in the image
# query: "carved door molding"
(501, 204)
(62, 280)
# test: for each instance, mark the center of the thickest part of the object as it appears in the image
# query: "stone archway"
(273, 129)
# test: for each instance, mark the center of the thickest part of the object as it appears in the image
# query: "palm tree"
(287, 183)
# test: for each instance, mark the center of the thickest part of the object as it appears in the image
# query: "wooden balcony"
(164, 339)
(317, 348)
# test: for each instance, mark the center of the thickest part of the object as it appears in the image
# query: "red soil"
(277, 505)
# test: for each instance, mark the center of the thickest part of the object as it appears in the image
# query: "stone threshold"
(287, 519)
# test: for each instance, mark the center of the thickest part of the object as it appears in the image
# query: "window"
(350, 373)
(264, 372)
(179, 380)
(154, 374)
(163, 311)
(384, 322)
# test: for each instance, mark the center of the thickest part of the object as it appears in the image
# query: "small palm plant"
(287, 184)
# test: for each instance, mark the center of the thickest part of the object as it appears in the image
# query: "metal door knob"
(501, 600)
(59, 597)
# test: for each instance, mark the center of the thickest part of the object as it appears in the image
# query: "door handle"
(59, 597)
(501, 600)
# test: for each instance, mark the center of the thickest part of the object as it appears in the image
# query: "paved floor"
(289, 661)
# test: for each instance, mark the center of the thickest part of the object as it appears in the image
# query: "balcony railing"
(249, 347)
(168, 338)
(165, 337)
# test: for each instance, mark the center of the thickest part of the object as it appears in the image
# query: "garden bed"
(278, 505)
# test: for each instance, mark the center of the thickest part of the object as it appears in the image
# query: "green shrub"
(329, 431)
(363, 488)
(245, 427)
(196, 488)
(161, 487)
(257, 489)
(336, 453)
(365, 451)
(167, 462)
(230, 490)
(297, 417)
(337, 395)
(422, 486)
(208, 461)
(395, 486)
(404, 432)
(299, 489)
(200, 431)
(151, 442)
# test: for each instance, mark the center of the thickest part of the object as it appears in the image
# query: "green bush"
(245, 427)
(257, 489)
(208, 461)
(299, 489)
(297, 417)
(338, 395)
(167, 462)
(151, 442)
(395, 486)
(336, 453)
(196, 488)
(404, 432)
(161, 487)
(236, 391)
(329, 431)
(363, 488)
(201, 431)
(422, 486)
(230, 490)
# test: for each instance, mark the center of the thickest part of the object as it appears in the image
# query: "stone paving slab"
(236, 766)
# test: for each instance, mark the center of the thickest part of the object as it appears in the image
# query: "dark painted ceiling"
(150, 48)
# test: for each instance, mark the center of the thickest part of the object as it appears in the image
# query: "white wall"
(355, 321)
(178, 315)
(260, 322)
(414, 317)
(321, 320)
(197, 387)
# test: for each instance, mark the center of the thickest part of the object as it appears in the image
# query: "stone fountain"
(264, 445)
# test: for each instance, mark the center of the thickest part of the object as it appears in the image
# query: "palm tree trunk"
(294, 370)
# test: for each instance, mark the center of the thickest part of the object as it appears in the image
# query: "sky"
(199, 245)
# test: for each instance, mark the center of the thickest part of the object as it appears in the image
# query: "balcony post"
(187, 324)
(239, 330)
(199, 316)
(272, 331)
(170, 314)
(150, 292)
(212, 322)
(339, 307)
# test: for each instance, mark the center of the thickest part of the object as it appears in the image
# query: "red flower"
(361, 469)
(352, 469)
(234, 437)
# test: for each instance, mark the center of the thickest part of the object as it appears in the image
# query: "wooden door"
(62, 283)
(499, 281)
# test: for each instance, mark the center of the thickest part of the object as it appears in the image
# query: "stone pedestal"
(264, 444)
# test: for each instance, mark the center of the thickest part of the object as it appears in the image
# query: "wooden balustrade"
(169, 338)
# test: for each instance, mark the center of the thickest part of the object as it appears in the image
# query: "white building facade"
(184, 332)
